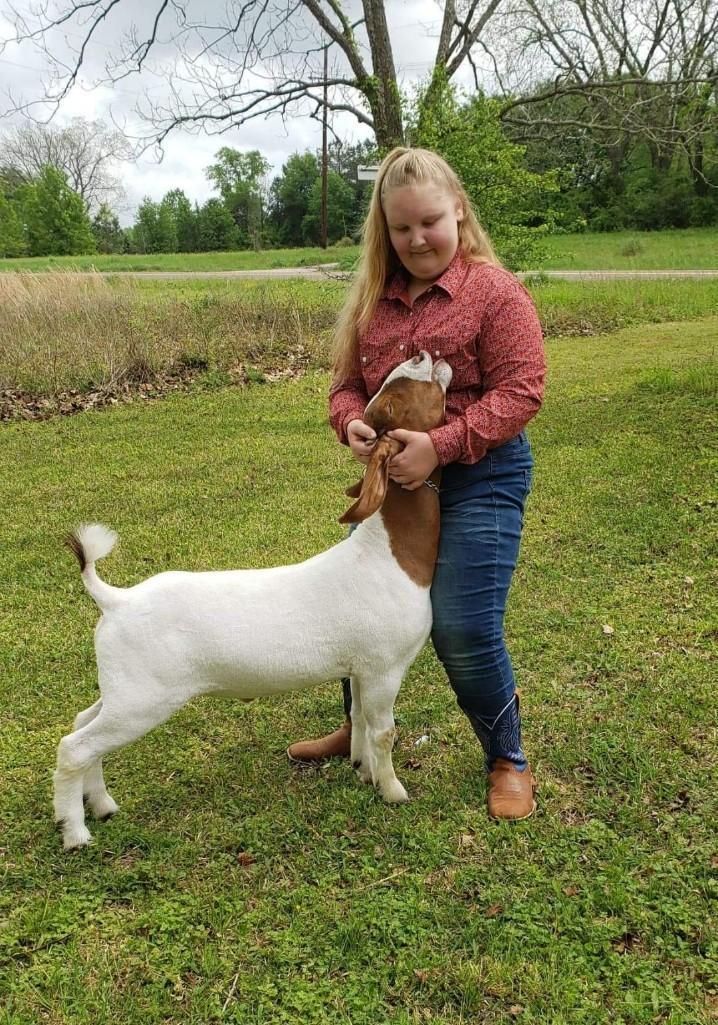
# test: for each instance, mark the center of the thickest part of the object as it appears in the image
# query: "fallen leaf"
(494, 910)
(608, 630)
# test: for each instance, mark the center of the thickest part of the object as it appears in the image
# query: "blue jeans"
(482, 507)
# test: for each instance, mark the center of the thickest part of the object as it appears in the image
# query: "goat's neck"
(411, 519)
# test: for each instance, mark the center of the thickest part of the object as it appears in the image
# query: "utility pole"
(325, 156)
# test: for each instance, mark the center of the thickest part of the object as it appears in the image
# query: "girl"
(429, 279)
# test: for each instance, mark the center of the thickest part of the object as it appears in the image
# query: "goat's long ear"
(375, 482)
(354, 490)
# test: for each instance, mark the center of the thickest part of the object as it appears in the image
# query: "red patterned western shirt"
(483, 322)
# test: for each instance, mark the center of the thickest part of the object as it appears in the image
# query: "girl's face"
(423, 222)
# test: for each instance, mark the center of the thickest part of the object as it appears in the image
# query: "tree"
(107, 231)
(185, 221)
(340, 210)
(55, 217)
(155, 230)
(241, 180)
(216, 227)
(258, 60)
(84, 150)
(632, 68)
(290, 195)
(12, 237)
(508, 198)
(345, 159)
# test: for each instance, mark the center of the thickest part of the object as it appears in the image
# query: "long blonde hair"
(379, 261)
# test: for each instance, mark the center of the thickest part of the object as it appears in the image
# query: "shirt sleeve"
(513, 370)
(348, 398)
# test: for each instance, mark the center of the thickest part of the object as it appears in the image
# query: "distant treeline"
(45, 216)
(522, 191)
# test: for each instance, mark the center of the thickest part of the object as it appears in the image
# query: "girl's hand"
(361, 439)
(412, 466)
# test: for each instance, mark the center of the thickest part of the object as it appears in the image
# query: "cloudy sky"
(24, 72)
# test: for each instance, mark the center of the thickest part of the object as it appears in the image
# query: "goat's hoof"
(395, 793)
(76, 838)
(364, 775)
(104, 808)
(356, 764)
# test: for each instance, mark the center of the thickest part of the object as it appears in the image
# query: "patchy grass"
(674, 249)
(231, 888)
(266, 259)
(684, 248)
(65, 332)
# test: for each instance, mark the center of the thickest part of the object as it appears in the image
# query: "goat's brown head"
(413, 398)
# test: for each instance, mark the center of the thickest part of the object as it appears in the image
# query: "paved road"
(329, 269)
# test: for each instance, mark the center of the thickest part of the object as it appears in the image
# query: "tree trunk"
(381, 90)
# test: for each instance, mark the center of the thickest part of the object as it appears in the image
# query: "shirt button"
(363, 359)
(437, 353)
(401, 347)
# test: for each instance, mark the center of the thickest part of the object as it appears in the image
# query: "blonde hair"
(379, 261)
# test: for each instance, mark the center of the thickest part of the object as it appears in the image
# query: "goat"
(360, 609)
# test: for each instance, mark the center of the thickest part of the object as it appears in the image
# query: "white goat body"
(252, 633)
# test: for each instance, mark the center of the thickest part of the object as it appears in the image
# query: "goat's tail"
(90, 542)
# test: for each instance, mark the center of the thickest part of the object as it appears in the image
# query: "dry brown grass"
(63, 330)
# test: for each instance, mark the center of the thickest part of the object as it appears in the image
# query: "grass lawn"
(233, 888)
(674, 249)
(64, 331)
(686, 248)
(267, 259)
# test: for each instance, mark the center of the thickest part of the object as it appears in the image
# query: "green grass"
(675, 249)
(267, 259)
(231, 888)
(686, 248)
(66, 332)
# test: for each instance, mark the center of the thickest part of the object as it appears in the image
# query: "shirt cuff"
(447, 442)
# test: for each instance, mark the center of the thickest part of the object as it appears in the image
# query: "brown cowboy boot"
(335, 745)
(511, 782)
(511, 793)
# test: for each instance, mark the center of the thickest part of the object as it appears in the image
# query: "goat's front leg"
(378, 697)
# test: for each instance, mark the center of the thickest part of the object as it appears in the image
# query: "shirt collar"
(450, 281)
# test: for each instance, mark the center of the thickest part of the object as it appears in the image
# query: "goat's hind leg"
(378, 696)
(79, 753)
(94, 791)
